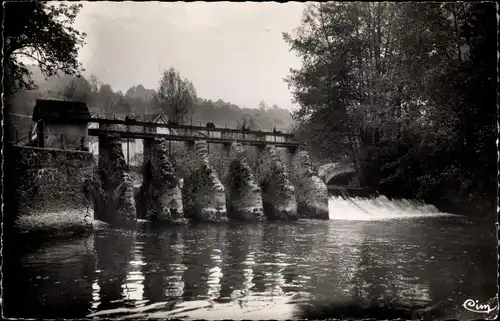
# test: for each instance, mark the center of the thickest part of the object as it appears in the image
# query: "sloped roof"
(60, 110)
(149, 117)
(155, 117)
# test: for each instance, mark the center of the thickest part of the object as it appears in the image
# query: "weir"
(377, 207)
(179, 181)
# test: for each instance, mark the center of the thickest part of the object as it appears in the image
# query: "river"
(375, 249)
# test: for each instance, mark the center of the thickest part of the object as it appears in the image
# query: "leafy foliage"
(41, 32)
(394, 88)
(248, 122)
(176, 95)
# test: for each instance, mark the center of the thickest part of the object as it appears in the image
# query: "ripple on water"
(252, 271)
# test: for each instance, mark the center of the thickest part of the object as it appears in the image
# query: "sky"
(229, 51)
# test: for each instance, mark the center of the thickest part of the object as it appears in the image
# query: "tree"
(176, 96)
(107, 98)
(76, 89)
(376, 81)
(95, 84)
(141, 99)
(326, 88)
(43, 33)
(248, 122)
(366, 71)
(123, 106)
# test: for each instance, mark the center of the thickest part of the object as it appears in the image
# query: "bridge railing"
(188, 134)
(80, 141)
(88, 141)
(191, 131)
(139, 119)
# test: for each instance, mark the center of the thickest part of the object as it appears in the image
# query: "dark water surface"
(254, 271)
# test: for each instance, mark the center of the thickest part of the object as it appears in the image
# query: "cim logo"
(475, 306)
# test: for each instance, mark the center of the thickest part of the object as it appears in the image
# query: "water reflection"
(114, 255)
(133, 288)
(242, 242)
(409, 266)
(216, 248)
(279, 245)
(96, 298)
(215, 274)
(248, 275)
(163, 254)
(201, 241)
(246, 267)
(53, 280)
(301, 247)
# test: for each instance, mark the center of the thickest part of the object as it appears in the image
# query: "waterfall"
(378, 208)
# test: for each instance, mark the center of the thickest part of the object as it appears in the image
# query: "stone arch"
(329, 171)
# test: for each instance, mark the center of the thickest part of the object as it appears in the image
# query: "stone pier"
(118, 204)
(204, 194)
(278, 193)
(310, 190)
(243, 192)
(46, 190)
(160, 196)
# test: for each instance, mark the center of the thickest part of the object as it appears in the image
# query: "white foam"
(380, 208)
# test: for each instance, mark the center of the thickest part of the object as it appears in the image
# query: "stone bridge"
(259, 176)
(275, 184)
(253, 176)
(336, 173)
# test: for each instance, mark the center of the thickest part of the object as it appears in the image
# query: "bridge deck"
(130, 122)
(189, 138)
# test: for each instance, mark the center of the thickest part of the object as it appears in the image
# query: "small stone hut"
(61, 124)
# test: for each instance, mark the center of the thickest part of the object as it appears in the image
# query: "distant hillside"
(140, 100)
